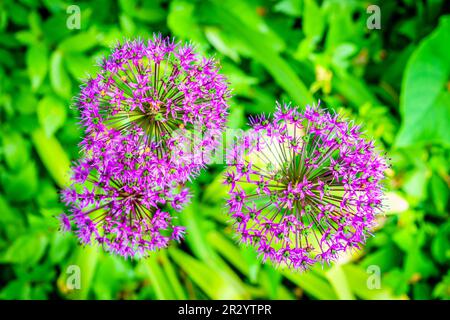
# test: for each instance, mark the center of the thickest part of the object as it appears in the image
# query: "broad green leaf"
(22, 185)
(60, 244)
(51, 114)
(425, 99)
(338, 279)
(415, 183)
(59, 78)
(196, 236)
(289, 7)
(80, 67)
(209, 280)
(16, 289)
(170, 272)
(216, 191)
(385, 258)
(16, 150)
(114, 277)
(250, 20)
(439, 192)
(240, 82)
(79, 43)
(157, 278)
(222, 43)
(53, 156)
(406, 237)
(440, 247)
(312, 284)
(25, 102)
(27, 249)
(314, 24)
(418, 264)
(37, 64)
(147, 11)
(182, 22)
(127, 24)
(236, 117)
(341, 26)
(353, 88)
(229, 250)
(265, 54)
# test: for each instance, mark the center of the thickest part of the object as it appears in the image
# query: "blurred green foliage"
(395, 81)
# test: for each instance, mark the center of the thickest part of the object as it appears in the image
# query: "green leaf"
(215, 191)
(439, 192)
(196, 237)
(79, 43)
(25, 102)
(181, 21)
(79, 66)
(127, 24)
(147, 11)
(386, 258)
(236, 118)
(169, 270)
(425, 99)
(51, 114)
(313, 25)
(16, 289)
(214, 284)
(440, 247)
(312, 284)
(229, 250)
(59, 79)
(16, 150)
(60, 245)
(289, 7)
(37, 64)
(53, 156)
(417, 263)
(240, 82)
(222, 43)
(338, 279)
(27, 249)
(415, 183)
(22, 185)
(157, 278)
(264, 53)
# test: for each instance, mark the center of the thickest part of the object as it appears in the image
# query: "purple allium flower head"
(122, 215)
(162, 95)
(304, 187)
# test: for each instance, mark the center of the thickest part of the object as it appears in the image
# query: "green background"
(394, 80)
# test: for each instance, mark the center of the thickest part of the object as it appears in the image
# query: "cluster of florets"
(304, 187)
(117, 213)
(161, 95)
(151, 116)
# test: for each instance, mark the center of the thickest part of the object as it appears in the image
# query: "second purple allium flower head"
(304, 187)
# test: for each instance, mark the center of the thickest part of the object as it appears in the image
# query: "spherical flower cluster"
(304, 187)
(163, 94)
(121, 215)
(151, 117)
